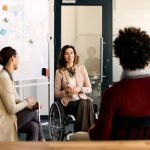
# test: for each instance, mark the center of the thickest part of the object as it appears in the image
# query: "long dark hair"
(5, 54)
(61, 61)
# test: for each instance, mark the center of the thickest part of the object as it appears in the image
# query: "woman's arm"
(17, 98)
(31, 102)
(8, 97)
(86, 84)
(59, 93)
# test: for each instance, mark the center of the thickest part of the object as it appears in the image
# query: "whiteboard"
(24, 25)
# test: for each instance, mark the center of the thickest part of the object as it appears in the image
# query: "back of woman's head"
(62, 61)
(132, 46)
(5, 54)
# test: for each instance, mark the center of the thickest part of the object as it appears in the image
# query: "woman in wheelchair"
(71, 86)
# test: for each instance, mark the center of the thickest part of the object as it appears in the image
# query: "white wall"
(79, 30)
(28, 20)
(129, 13)
(82, 27)
(125, 13)
(68, 25)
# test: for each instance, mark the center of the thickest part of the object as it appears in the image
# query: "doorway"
(87, 25)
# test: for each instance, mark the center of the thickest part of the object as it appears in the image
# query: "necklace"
(71, 72)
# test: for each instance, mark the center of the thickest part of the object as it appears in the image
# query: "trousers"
(83, 112)
(28, 122)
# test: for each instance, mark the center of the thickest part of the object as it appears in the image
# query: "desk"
(100, 145)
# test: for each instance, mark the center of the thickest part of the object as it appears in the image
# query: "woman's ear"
(12, 58)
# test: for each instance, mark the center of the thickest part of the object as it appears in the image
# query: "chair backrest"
(127, 128)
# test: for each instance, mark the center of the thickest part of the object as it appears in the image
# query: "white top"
(136, 73)
(72, 83)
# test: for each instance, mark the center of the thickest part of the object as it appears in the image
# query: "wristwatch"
(81, 91)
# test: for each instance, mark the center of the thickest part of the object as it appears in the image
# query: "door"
(87, 25)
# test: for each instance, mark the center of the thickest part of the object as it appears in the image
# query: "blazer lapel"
(66, 76)
(77, 77)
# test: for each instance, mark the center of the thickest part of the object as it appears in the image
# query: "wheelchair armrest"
(96, 113)
(95, 107)
(72, 117)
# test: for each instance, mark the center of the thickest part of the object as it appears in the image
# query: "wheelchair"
(61, 126)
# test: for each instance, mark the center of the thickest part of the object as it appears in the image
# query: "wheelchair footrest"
(71, 117)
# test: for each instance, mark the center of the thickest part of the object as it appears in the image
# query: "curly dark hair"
(132, 46)
(61, 61)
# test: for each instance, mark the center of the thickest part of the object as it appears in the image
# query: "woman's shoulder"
(3, 74)
(60, 71)
(80, 66)
(4, 79)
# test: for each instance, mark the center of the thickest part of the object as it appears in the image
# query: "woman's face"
(69, 55)
(15, 60)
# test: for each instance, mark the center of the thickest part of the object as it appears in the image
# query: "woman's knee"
(84, 102)
(33, 126)
(32, 131)
(89, 101)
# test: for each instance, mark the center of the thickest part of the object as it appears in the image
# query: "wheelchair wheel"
(56, 117)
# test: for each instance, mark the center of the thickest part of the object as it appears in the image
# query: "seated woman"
(71, 85)
(130, 96)
(16, 115)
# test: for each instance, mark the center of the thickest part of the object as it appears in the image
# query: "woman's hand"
(30, 102)
(69, 91)
(76, 90)
(37, 105)
(73, 90)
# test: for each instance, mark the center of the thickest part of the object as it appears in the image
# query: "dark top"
(128, 97)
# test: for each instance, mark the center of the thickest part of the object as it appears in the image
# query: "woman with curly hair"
(130, 96)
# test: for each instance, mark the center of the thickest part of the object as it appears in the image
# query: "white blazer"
(10, 104)
(61, 83)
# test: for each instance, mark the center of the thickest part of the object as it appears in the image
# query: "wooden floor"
(100, 145)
